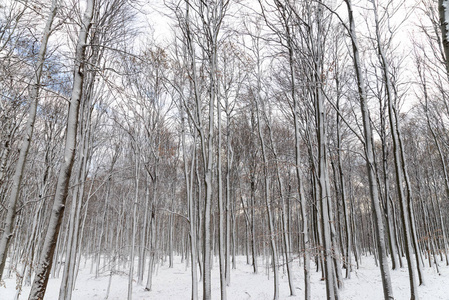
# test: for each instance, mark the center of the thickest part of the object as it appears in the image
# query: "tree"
(20, 166)
(443, 8)
(370, 165)
(46, 259)
(400, 164)
(204, 26)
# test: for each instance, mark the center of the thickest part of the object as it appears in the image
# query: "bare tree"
(400, 163)
(202, 22)
(20, 167)
(43, 271)
(369, 157)
(443, 7)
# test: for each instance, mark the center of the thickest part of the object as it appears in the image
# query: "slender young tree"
(204, 26)
(405, 197)
(369, 157)
(270, 213)
(287, 13)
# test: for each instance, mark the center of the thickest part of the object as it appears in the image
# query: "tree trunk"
(267, 189)
(221, 208)
(188, 176)
(443, 8)
(400, 168)
(305, 245)
(369, 152)
(46, 259)
(284, 214)
(134, 226)
(8, 222)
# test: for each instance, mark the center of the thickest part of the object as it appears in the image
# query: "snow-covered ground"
(174, 283)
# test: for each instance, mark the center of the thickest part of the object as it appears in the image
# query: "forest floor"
(174, 283)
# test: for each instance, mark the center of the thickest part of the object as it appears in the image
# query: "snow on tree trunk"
(271, 229)
(134, 226)
(443, 7)
(221, 210)
(46, 258)
(188, 176)
(302, 199)
(400, 168)
(369, 152)
(8, 222)
(284, 213)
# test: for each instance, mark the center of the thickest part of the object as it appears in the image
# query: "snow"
(174, 283)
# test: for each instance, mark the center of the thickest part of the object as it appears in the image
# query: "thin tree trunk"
(267, 198)
(443, 8)
(284, 214)
(134, 227)
(369, 152)
(8, 222)
(46, 259)
(188, 176)
(347, 251)
(304, 217)
(153, 224)
(221, 208)
(229, 158)
(400, 167)
(331, 288)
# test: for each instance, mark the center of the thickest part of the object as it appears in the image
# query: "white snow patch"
(174, 283)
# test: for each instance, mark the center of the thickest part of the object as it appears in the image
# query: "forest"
(299, 139)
